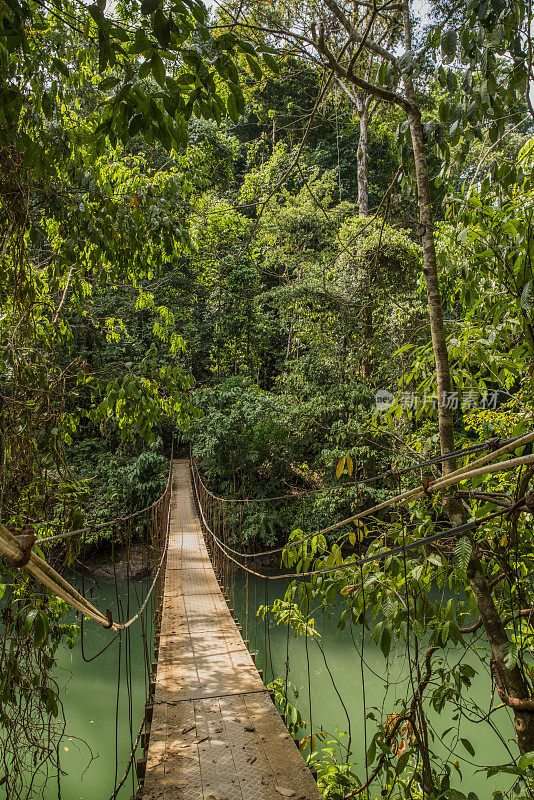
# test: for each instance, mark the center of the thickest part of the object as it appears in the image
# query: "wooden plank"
(215, 732)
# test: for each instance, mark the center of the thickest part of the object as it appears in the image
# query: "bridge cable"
(495, 444)
(464, 473)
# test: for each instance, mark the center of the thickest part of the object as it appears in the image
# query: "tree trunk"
(430, 270)
(511, 683)
(430, 266)
(512, 680)
(362, 159)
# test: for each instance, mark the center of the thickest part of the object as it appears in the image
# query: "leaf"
(350, 466)
(148, 6)
(108, 83)
(233, 110)
(468, 746)
(382, 73)
(462, 554)
(511, 654)
(51, 704)
(254, 67)
(371, 753)
(271, 63)
(41, 629)
(198, 11)
(452, 82)
(449, 44)
(28, 622)
(284, 792)
(403, 349)
(527, 297)
(158, 70)
(401, 763)
(47, 105)
(61, 66)
(385, 641)
(526, 760)
(340, 466)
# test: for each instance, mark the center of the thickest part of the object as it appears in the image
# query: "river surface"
(88, 752)
(337, 696)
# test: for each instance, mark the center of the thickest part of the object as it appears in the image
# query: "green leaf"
(449, 44)
(186, 79)
(51, 704)
(385, 641)
(40, 629)
(144, 69)
(232, 108)
(28, 622)
(96, 13)
(527, 297)
(108, 83)
(198, 11)
(148, 6)
(468, 746)
(383, 73)
(254, 67)
(158, 70)
(61, 66)
(526, 760)
(47, 105)
(271, 63)
(371, 753)
(402, 761)
(511, 655)
(462, 554)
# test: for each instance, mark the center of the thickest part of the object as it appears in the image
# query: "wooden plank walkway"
(215, 734)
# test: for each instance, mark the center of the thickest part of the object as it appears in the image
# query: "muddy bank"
(103, 565)
(136, 562)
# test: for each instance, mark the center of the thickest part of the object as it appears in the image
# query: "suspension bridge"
(211, 730)
(215, 731)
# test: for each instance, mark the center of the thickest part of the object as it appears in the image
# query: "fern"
(462, 554)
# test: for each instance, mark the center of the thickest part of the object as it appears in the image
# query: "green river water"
(89, 696)
(90, 691)
(343, 661)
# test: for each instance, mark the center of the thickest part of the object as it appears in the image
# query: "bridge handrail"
(10, 548)
(494, 443)
(474, 469)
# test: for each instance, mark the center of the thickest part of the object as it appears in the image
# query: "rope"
(459, 529)
(48, 576)
(492, 443)
(89, 528)
(464, 473)
(115, 792)
(412, 494)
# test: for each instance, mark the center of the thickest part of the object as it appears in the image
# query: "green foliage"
(174, 260)
(293, 720)
(155, 68)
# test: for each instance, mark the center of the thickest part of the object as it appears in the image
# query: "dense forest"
(296, 240)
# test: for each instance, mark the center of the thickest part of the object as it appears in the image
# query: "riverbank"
(134, 562)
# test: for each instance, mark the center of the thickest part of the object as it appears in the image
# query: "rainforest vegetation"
(298, 239)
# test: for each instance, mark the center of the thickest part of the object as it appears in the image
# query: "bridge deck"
(215, 733)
